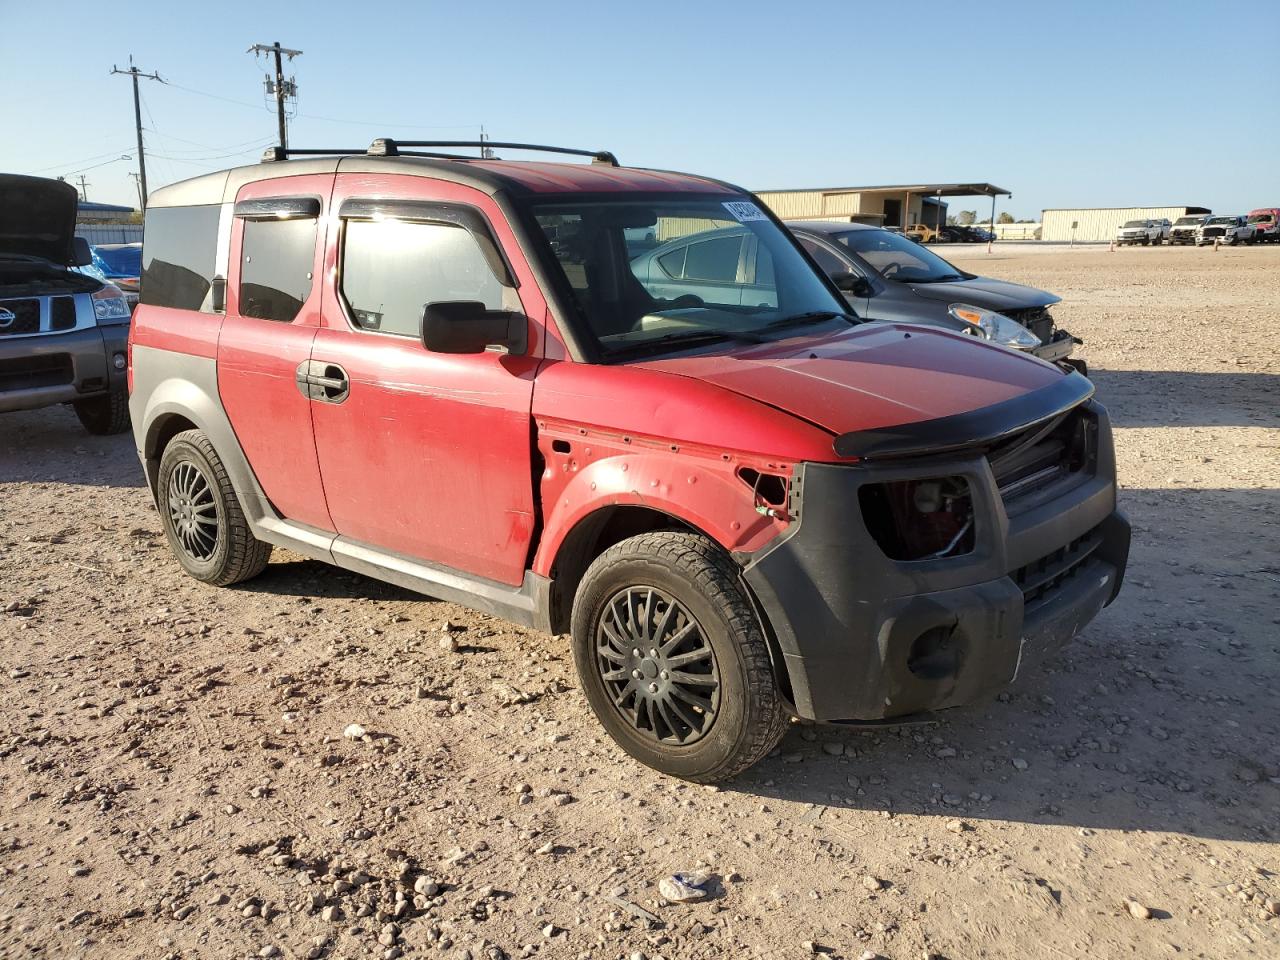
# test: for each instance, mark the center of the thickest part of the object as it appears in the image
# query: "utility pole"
(137, 183)
(84, 189)
(137, 122)
(281, 88)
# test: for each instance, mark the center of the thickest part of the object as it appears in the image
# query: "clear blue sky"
(1079, 104)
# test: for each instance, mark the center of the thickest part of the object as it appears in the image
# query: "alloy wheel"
(657, 666)
(193, 511)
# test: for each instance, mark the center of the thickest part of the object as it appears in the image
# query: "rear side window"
(277, 257)
(178, 256)
(713, 260)
(392, 268)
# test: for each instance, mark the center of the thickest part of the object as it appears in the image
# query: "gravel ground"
(180, 778)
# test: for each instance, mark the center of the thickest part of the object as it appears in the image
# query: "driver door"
(425, 455)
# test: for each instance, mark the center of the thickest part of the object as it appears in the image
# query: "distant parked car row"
(1260, 226)
(951, 233)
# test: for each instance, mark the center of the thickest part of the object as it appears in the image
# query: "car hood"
(985, 292)
(37, 218)
(871, 376)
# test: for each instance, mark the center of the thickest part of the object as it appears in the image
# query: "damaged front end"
(923, 575)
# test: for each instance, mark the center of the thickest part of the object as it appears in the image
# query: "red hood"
(869, 377)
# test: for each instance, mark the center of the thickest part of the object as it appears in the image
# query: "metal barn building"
(1099, 224)
(892, 206)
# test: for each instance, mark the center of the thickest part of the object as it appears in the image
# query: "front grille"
(62, 313)
(1213, 232)
(42, 370)
(1045, 453)
(1036, 319)
(1041, 579)
(25, 317)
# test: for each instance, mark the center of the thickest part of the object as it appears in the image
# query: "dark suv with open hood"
(63, 334)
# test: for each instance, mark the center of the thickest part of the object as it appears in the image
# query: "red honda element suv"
(741, 501)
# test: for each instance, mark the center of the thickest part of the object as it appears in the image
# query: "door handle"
(329, 383)
(326, 382)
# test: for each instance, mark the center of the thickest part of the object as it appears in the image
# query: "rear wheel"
(202, 519)
(105, 415)
(673, 660)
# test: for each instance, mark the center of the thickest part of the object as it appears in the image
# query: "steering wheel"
(892, 267)
(687, 300)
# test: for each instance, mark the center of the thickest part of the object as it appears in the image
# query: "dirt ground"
(175, 780)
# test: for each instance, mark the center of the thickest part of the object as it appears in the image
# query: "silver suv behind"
(63, 335)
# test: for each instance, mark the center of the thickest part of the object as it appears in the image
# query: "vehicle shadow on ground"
(1172, 398)
(1161, 716)
(50, 446)
(288, 576)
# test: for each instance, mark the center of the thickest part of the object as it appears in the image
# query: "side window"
(178, 256)
(276, 260)
(831, 265)
(673, 263)
(713, 260)
(392, 268)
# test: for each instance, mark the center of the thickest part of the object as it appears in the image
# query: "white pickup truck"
(1230, 230)
(1145, 232)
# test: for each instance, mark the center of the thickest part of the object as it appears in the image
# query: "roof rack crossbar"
(276, 153)
(387, 147)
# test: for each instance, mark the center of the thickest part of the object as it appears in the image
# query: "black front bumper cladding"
(867, 638)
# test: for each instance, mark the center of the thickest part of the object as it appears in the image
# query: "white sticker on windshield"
(744, 211)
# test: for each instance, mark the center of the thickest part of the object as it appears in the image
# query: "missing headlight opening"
(926, 519)
(769, 488)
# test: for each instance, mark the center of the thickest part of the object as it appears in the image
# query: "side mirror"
(81, 252)
(467, 326)
(854, 283)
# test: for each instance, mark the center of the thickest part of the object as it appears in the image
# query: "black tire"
(106, 415)
(202, 519)
(651, 575)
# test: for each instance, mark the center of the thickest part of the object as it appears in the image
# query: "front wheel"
(202, 519)
(106, 415)
(672, 658)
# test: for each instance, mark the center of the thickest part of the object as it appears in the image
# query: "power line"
(137, 121)
(72, 163)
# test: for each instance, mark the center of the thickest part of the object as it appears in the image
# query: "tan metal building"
(891, 206)
(1099, 224)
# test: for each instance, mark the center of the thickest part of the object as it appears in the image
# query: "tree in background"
(1005, 218)
(967, 217)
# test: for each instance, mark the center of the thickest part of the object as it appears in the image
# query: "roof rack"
(387, 147)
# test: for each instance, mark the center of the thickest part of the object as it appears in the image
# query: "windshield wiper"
(804, 319)
(684, 337)
(941, 278)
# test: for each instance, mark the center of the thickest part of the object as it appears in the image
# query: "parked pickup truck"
(740, 501)
(1184, 229)
(1143, 232)
(1229, 230)
(63, 334)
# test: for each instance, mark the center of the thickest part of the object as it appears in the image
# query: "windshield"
(650, 275)
(1222, 220)
(895, 257)
(1183, 221)
(1136, 223)
(1261, 217)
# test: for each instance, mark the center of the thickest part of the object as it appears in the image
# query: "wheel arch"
(610, 524)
